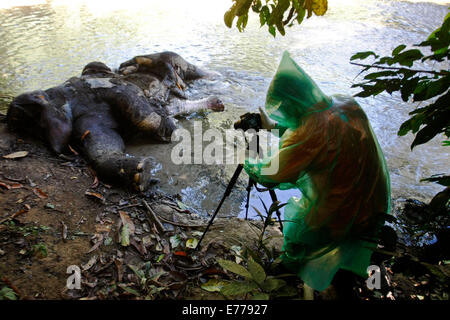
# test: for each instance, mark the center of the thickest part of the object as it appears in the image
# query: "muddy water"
(46, 42)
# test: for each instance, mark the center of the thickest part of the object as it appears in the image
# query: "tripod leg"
(227, 192)
(249, 189)
(274, 198)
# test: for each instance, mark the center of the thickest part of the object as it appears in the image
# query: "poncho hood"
(293, 94)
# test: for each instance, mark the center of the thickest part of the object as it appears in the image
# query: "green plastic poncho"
(329, 152)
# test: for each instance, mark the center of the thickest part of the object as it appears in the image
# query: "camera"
(249, 121)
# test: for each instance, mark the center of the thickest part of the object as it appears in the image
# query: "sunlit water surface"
(45, 42)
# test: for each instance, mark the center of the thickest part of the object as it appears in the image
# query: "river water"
(43, 43)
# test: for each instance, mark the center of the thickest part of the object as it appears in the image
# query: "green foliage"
(26, 231)
(441, 179)
(272, 13)
(429, 87)
(7, 293)
(256, 284)
(267, 220)
(422, 85)
(40, 250)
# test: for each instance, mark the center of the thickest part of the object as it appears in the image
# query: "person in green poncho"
(328, 151)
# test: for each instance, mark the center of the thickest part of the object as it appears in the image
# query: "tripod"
(227, 192)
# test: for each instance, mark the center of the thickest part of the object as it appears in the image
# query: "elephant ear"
(57, 127)
(35, 114)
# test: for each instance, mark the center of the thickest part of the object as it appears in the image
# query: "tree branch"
(288, 19)
(439, 73)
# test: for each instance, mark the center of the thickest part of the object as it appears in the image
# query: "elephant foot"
(134, 172)
(142, 178)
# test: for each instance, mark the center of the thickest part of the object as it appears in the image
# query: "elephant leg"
(185, 71)
(104, 149)
(178, 107)
(129, 102)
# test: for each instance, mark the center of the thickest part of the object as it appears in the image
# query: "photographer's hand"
(266, 122)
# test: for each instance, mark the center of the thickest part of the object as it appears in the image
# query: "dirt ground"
(61, 215)
(54, 213)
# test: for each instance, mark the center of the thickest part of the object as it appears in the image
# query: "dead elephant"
(95, 111)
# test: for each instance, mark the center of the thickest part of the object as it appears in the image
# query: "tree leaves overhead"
(439, 40)
(363, 55)
(398, 75)
(276, 14)
(440, 179)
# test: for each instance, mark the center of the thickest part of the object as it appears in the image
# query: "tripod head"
(246, 122)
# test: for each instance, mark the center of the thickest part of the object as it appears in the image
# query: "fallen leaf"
(128, 289)
(73, 150)
(85, 134)
(49, 206)
(16, 155)
(213, 271)
(237, 253)
(119, 265)
(126, 220)
(4, 185)
(197, 233)
(146, 241)
(41, 194)
(160, 257)
(64, 230)
(94, 175)
(91, 284)
(95, 183)
(102, 228)
(139, 247)
(125, 236)
(97, 244)
(108, 241)
(213, 285)
(191, 243)
(11, 186)
(175, 241)
(177, 276)
(95, 195)
(128, 229)
(90, 263)
(14, 215)
(180, 253)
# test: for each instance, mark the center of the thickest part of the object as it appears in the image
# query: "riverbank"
(56, 214)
